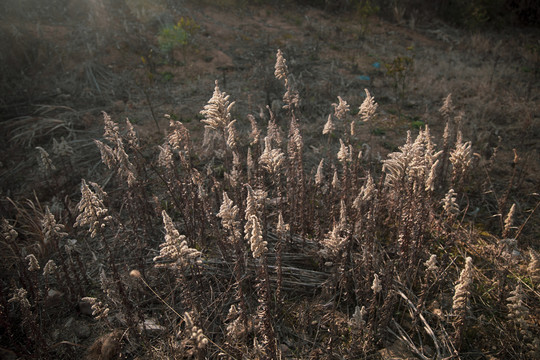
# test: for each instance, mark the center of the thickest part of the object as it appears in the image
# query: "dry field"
(227, 180)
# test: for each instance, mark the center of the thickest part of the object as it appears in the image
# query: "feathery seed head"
(534, 265)
(165, 157)
(99, 310)
(281, 66)
(92, 211)
(228, 212)
(357, 320)
(291, 98)
(341, 109)
(333, 243)
(178, 137)
(131, 135)
(250, 164)
(107, 154)
(46, 165)
(430, 180)
(342, 215)
(402, 166)
(20, 296)
(462, 290)
(117, 158)
(251, 204)
(319, 176)
(217, 111)
(431, 264)
(126, 170)
(368, 107)
(171, 234)
(33, 264)
(50, 228)
(255, 133)
(509, 221)
(376, 286)
(195, 332)
(450, 205)
(343, 155)
(231, 134)
(368, 191)
(281, 227)
(49, 268)
(273, 130)
(62, 148)
(447, 108)
(112, 131)
(258, 245)
(251, 210)
(516, 306)
(335, 181)
(518, 311)
(236, 327)
(329, 127)
(8, 232)
(296, 136)
(271, 159)
(461, 158)
(175, 250)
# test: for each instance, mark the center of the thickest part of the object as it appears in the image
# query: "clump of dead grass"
(266, 257)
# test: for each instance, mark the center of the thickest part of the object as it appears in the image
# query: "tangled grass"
(234, 248)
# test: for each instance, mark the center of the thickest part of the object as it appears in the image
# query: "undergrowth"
(235, 248)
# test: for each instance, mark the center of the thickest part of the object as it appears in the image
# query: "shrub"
(175, 36)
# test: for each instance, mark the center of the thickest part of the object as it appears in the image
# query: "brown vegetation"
(283, 221)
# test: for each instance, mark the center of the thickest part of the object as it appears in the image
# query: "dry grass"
(339, 253)
(240, 245)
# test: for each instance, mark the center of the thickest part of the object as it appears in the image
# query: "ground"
(91, 59)
(65, 63)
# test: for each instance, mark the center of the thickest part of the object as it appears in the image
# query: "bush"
(465, 13)
(481, 13)
(174, 36)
